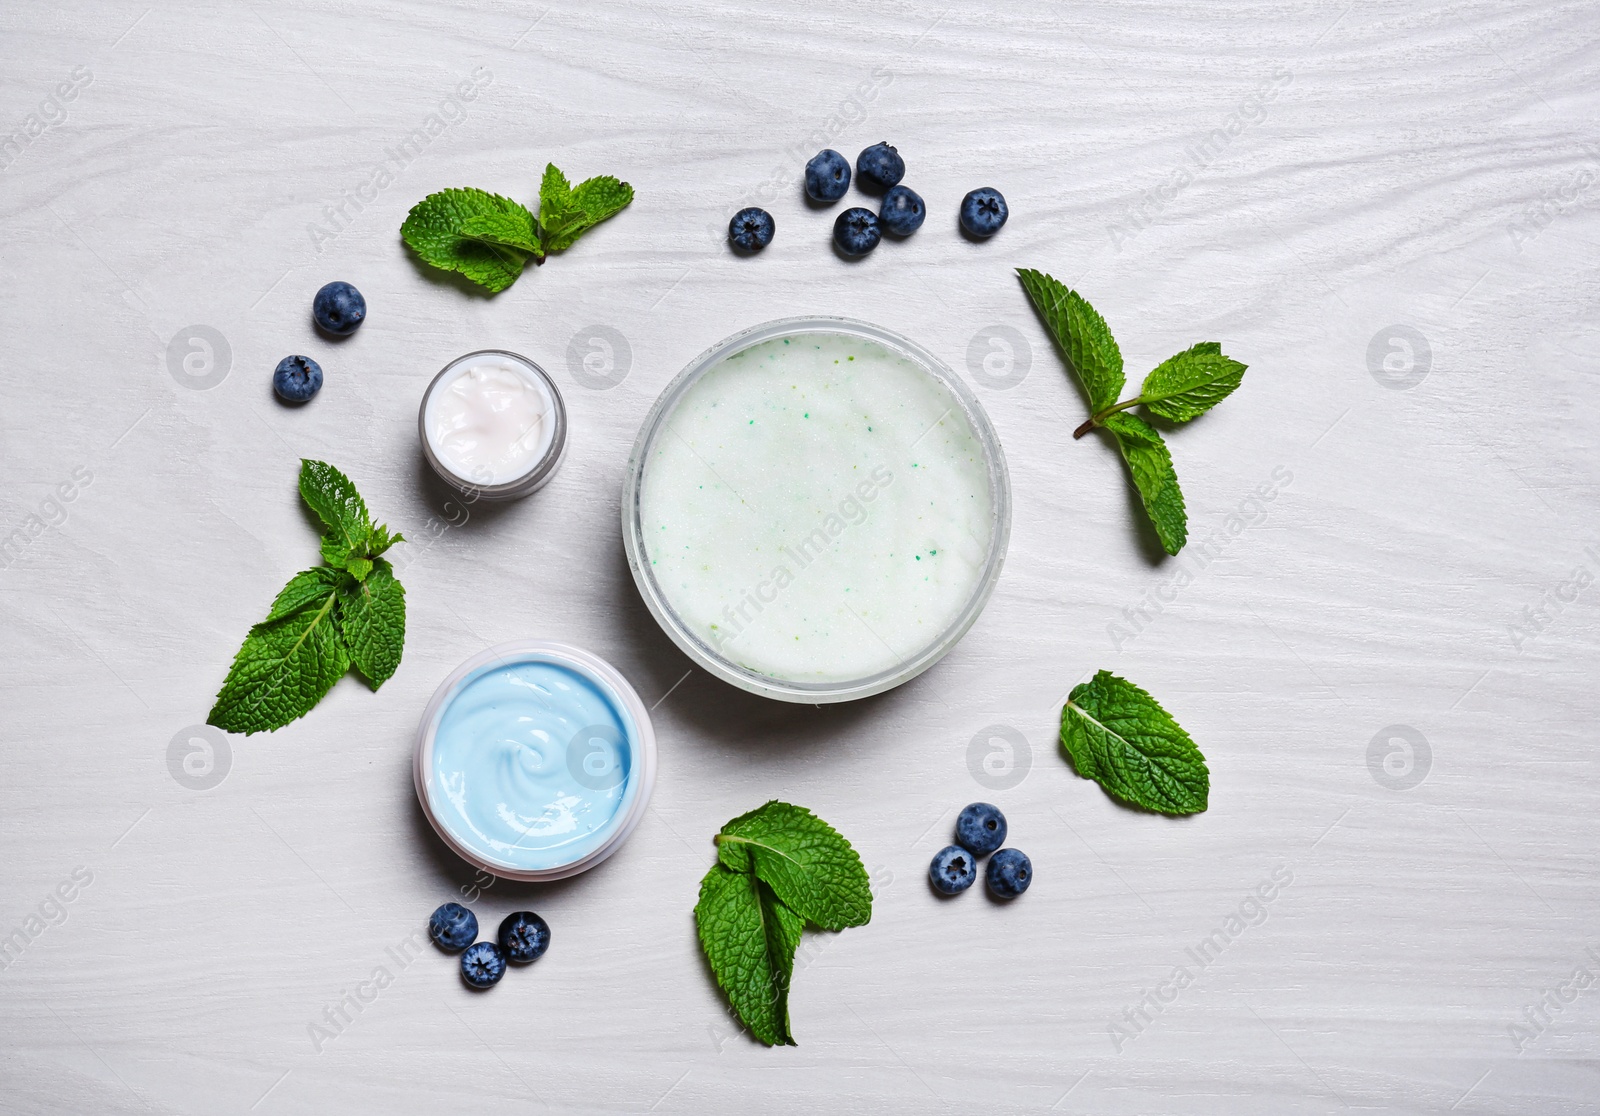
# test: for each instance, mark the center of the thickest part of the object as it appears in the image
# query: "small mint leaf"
(305, 587)
(372, 620)
(1189, 384)
(514, 228)
(805, 861)
(557, 211)
(566, 213)
(1081, 333)
(434, 230)
(1119, 736)
(594, 200)
(555, 194)
(336, 502)
(284, 667)
(1150, 464)
(380, 540)
(601, 197)
(749, 939)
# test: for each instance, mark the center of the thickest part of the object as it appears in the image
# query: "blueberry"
(339, 308)
(880, 166)
(902, 211)
(751, 229)
(453, 927)
(483, 964)
(981, 828)
(856, 231)
(983, 211)
(1010, 873)
(524, 936)
(953, 869)
(827, 176)
(297, 378)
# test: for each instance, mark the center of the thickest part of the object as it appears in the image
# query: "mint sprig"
(1119, 736)
(779, 868)
(490, 239)
(351, 612)
(1180, 388)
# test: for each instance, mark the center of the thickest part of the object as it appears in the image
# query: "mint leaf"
(805, 861)
(1150, 464)
(749, 940)
(372, 620)
(306, 587)
(336, 502)
(601, 197)
(435, 231)
(1084, 338)
(566, 213)
(1191, 383)
(513, 227)
(285, 666)
(555, 196)
(1119, 736)
(352, 540)
(559, 216)
(595, 199)
(380, 540)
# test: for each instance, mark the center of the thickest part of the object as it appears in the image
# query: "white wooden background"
(1426, 166)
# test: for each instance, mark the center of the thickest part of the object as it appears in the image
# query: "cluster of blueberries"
(980, 830)
(523, 938)
(857, 230)
(338, 309)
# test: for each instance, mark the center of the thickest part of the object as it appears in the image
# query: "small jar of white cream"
(493, 425)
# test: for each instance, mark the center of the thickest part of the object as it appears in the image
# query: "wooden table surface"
(1383, 633)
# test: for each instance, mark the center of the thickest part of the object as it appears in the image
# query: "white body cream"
(492, 423)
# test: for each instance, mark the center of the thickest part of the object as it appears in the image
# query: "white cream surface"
(489, 420)
(817, 508)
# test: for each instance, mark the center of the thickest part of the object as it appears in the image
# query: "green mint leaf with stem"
(351, 611)
(372, 621)
(1119, 736)
(435, 231)
(1081, 333)
(1189, 384)
(749, 939)
(566, 213)
(1179, 389)
(287, 663)
(352, 540)
(806, 862)
(1150, 464)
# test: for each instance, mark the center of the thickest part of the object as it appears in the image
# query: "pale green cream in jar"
(817, 508)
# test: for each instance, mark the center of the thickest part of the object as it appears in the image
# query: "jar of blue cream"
(535, 760)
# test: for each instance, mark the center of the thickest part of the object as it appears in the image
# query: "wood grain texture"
(1428, 166)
